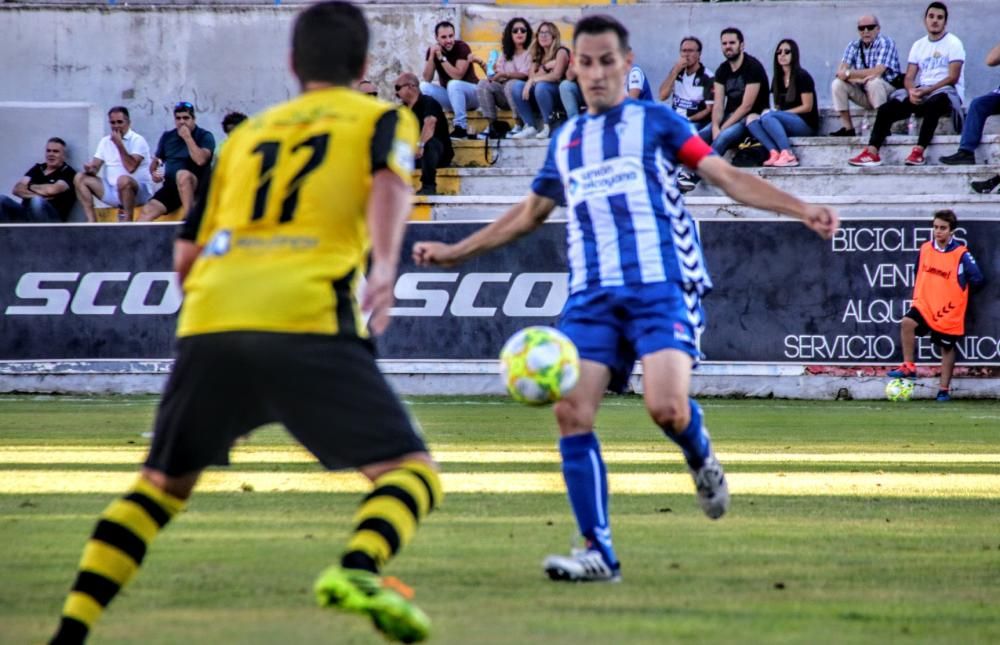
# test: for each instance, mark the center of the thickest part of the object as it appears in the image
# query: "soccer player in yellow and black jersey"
(271, 331)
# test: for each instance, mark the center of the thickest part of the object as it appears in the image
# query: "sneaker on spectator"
(545, 132)
(527, 132)
(772, 157)
(916, 157)
(991, 185)
(866, 159)
(517, 128)
(843, 132)
(785, 160)
(459, 133)
(427, 191)
(960, 158)
(687, 181)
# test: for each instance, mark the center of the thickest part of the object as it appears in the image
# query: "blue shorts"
(616, 325)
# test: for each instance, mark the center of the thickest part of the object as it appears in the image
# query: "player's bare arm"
(388, 209)
(751, 190)
(185, 253)
(521, 219)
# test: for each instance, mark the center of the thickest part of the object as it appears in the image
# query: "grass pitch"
(852, 522)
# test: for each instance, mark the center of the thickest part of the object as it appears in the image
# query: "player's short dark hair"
(330, 43)
(601, 24)
(120, 108)
(937, 5)
(444, 23)
(56, 140)
(949, 216)
(693, 39)
(732, 30)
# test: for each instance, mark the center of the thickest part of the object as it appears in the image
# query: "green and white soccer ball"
(539, 365)
(899, 389)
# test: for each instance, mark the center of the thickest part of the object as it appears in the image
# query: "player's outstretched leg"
(709, 478)
(385, 522)
(587, 485)
(113, 555)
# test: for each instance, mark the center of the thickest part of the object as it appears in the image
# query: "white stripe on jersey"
(575, 254)
(647, 234)
(602, 219)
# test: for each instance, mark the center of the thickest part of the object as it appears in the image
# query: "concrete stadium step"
(967, 206)
(811, 151)
(822, 180)
(829, 119)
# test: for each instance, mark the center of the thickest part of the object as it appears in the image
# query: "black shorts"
(946, 341)
(168, 196)
(326, 390)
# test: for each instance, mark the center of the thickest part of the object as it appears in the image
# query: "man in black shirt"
(434, 150)
(45, 190)
(741, 93)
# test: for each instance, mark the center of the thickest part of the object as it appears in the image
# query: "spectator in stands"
(740, 90)
(124, 156)
(231, 120)
(934, 87)
(45, 190)
(689, 85)
(512, 64)
(980, 109)
(549, 60)
(434, 149)
(571, 97)
(946, 274)
(367, 87)
(637, 85)
(457, 80)
(182, 158)
(868, 73)
(796, 111)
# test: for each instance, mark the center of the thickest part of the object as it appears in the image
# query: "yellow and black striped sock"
(389, 515)
(113, 555)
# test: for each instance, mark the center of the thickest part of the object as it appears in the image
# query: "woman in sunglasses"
(796, 113)
(549, 62)
(513, 64)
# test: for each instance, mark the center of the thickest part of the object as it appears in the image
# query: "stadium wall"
(91, 308)
(233, 57)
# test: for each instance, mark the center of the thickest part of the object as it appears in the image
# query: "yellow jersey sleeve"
(394, 143)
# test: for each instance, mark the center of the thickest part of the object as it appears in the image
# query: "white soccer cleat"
(581, 565)
(713, 491)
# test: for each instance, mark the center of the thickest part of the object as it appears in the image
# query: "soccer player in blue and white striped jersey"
(637, 274)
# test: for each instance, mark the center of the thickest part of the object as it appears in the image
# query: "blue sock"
(694, 442)
(587, 486)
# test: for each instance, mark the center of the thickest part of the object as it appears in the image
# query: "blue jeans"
(774, 128)
(728, 138)
(544, 96)
(975, 120)
(459, 97)
(571, 96)
(38, 209)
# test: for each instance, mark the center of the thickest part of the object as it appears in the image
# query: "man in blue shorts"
(636, 274)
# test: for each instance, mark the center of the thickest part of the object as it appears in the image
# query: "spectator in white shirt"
(126, 182)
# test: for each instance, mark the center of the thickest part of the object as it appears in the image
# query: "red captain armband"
(693, 151)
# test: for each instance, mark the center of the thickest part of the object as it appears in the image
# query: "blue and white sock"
(694, 441)
(587, 485)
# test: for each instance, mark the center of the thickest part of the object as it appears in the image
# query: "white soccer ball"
(899, 389)
(539, 365)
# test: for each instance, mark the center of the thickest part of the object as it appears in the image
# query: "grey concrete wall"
(235, 57)
(822, 30)
(148, 58)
